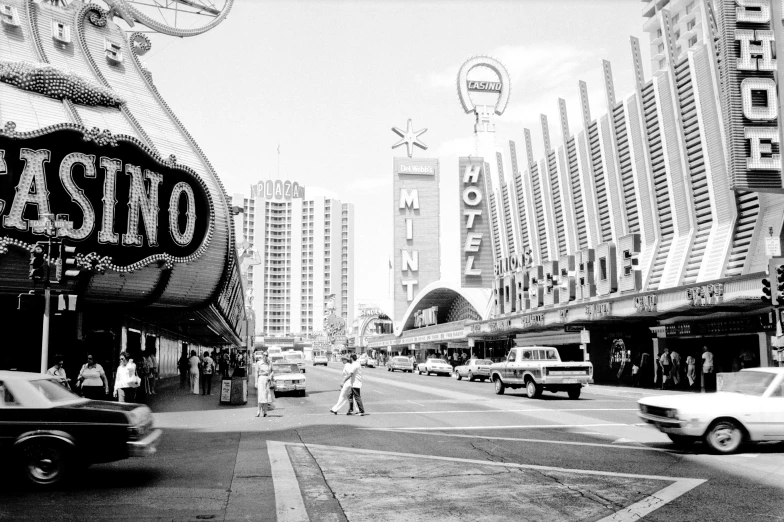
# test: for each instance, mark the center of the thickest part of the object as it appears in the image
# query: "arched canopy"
(445, 296)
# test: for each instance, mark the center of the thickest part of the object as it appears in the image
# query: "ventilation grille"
(627, 175)
(539, 209)
(598, 176)
(555, 189)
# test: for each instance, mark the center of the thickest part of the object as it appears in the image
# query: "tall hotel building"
(301, 253)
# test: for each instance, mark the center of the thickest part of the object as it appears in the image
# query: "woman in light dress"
(193, 368)
(345, 387)
(691, 370)
(264, 378)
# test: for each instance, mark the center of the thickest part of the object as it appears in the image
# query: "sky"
(327, 80)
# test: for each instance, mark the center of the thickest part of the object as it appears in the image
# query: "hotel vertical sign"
(476, 249)
(417, 261)
(751, 100)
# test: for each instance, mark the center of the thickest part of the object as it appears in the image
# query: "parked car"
(403, 364)
(295, 357)
(749, 407)
(371, 363)
(47, 432)
(437, 366)
(320, 359)
(363, 359)
(539, 368)
(288, 378)
(473, 369)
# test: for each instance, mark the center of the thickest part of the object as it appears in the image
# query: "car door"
(772, 411)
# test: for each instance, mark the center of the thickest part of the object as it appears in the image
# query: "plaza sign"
(126, 207)
(278, 189)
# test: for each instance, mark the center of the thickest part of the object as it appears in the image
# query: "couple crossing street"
(351, 387)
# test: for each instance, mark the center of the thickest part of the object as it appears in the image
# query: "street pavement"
(430, 449)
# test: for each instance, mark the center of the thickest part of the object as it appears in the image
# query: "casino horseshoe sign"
(127, 207)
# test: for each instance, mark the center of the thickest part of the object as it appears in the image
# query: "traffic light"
(38, 261)
(67, 266)
(779, 285)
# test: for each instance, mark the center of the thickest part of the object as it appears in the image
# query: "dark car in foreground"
(47, 432)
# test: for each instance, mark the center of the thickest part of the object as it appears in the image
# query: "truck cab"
(538, 369)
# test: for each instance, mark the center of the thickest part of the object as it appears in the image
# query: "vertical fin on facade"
(529, 148)
(639, 77)
(499, 159)
(564, 120)
(609, 90)
(545, 133)
(585, 105)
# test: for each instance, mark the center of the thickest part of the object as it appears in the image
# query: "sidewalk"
(628, 391)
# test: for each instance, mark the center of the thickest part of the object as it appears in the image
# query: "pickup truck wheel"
(457, 375)
(724, 436)
(532, 389)
(499, 386)
(470, 376)
(44, 462)
(574, 393)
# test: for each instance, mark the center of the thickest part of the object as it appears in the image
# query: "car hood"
(106, 406)
(697, 402)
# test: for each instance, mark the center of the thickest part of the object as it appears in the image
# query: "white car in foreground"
(749, 407)
(288, 378)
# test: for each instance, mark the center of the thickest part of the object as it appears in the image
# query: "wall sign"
(128, 208)
(475, 248)
(278, 189)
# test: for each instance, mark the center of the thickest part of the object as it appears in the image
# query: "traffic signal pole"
(47, 314)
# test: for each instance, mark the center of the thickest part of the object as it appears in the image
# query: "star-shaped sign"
(410, 137)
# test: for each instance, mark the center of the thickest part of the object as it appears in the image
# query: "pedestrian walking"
(59, 372)
(345, 387)
(666, 365)
(224, 365)
(264, 383)
(193, 368)
(676, 368)
(691, 370)
(125, 381)
(92, 380)
(207, 369)
(183, 364)
(152, 363)
(356, 387)
(144, 374)
(708, 377)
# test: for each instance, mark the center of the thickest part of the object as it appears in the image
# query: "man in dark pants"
(356, 387)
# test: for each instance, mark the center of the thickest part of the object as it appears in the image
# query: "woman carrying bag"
(265, 383)
(126, 381)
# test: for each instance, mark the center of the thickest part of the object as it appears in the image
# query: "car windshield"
(746, 383)
(401, 359)
(437, 361)
(482, 361)
(285, 368)
(53, 391)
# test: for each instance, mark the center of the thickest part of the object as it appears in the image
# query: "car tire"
(389, 369)
(457, 375)
(724, 436)
(470, 376)
(44, 462)
(499, 386)
(574, 393)
(533, 390)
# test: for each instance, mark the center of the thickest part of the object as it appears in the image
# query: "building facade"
(649, 224)
(303, 253)
(93, 159)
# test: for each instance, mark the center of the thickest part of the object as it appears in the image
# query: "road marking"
(418, 404)
(633, 512)
(288, 498)
(520, 426)
(480, 411)
(514, 439)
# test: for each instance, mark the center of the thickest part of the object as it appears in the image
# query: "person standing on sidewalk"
(708, 377)
(666, 365)
(264, 379)
(193, 368)
(691, 370)
(207, 367)
(152, 363)
(125, 382)
(356, 387)
(92, 380)
(183, 365)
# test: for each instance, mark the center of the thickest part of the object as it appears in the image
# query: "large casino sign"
(124, 207)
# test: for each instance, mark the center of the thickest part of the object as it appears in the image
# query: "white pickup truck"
(539, 368)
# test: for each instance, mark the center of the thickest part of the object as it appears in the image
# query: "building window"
(675, 19)
(658, 33)
(692, 41)
(689, 7)
(690, 25)
(660, 48)
(677, 34)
